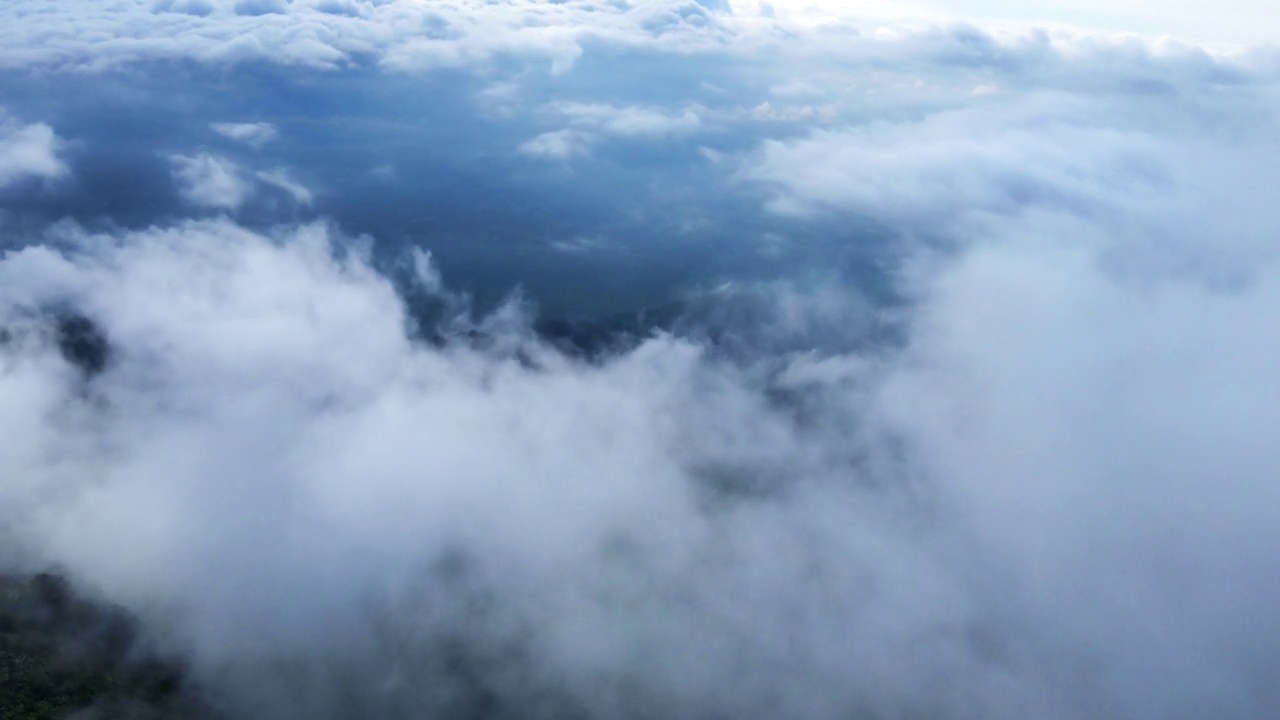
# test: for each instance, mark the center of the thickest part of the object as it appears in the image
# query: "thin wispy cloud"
(254, 134)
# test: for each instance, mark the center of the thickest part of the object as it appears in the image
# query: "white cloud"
(956, 164)
(819, 114)
(200, 8)
(255, 377)
(1131, 167)
(591, 121)
(280, 178)
(28, 151)
(1065, 466)
(628, 121)
(254, 8)
(1104, 431)
(350, 8)
(210, 180)
(255, 134)
(471, 33)
(1236, 22)
(557, 144)
(1046, 494)
(213, 181)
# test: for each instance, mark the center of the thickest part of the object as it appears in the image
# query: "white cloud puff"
(28, 151)
(210, 181)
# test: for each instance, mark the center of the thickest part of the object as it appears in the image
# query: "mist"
(331, 518)
(643, 360)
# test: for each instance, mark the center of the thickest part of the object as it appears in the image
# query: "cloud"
(964, 162)
(1062, 472)
(210, 181)
(1112, 175)
(199, 8)
(557, 144)
(474, 34)
(254, 376)
(254, 8)
(280, 178)
(254, 134)
(28, 151)
(793, 113)
(1099, 428)
(629, 122)
(1197, 23)
(590, 122)
(349, 8)
(330, 34)
(912, 368)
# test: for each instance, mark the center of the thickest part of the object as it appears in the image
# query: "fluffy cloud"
(200, 8)
(987, 507)
(28, 151)
(252, 378)
(982, 432)
(460, 33)
(966, 162)
(1240, 21)
(1113, 171)
(211, 181)
(254, 8)
(1104, 431)
(329, 34)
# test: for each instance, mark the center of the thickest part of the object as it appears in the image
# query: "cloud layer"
(648, 359)
(986, 520)
(464, 33)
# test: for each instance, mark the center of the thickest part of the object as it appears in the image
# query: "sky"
(652, 358)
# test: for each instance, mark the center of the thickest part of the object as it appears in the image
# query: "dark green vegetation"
(62, 656)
